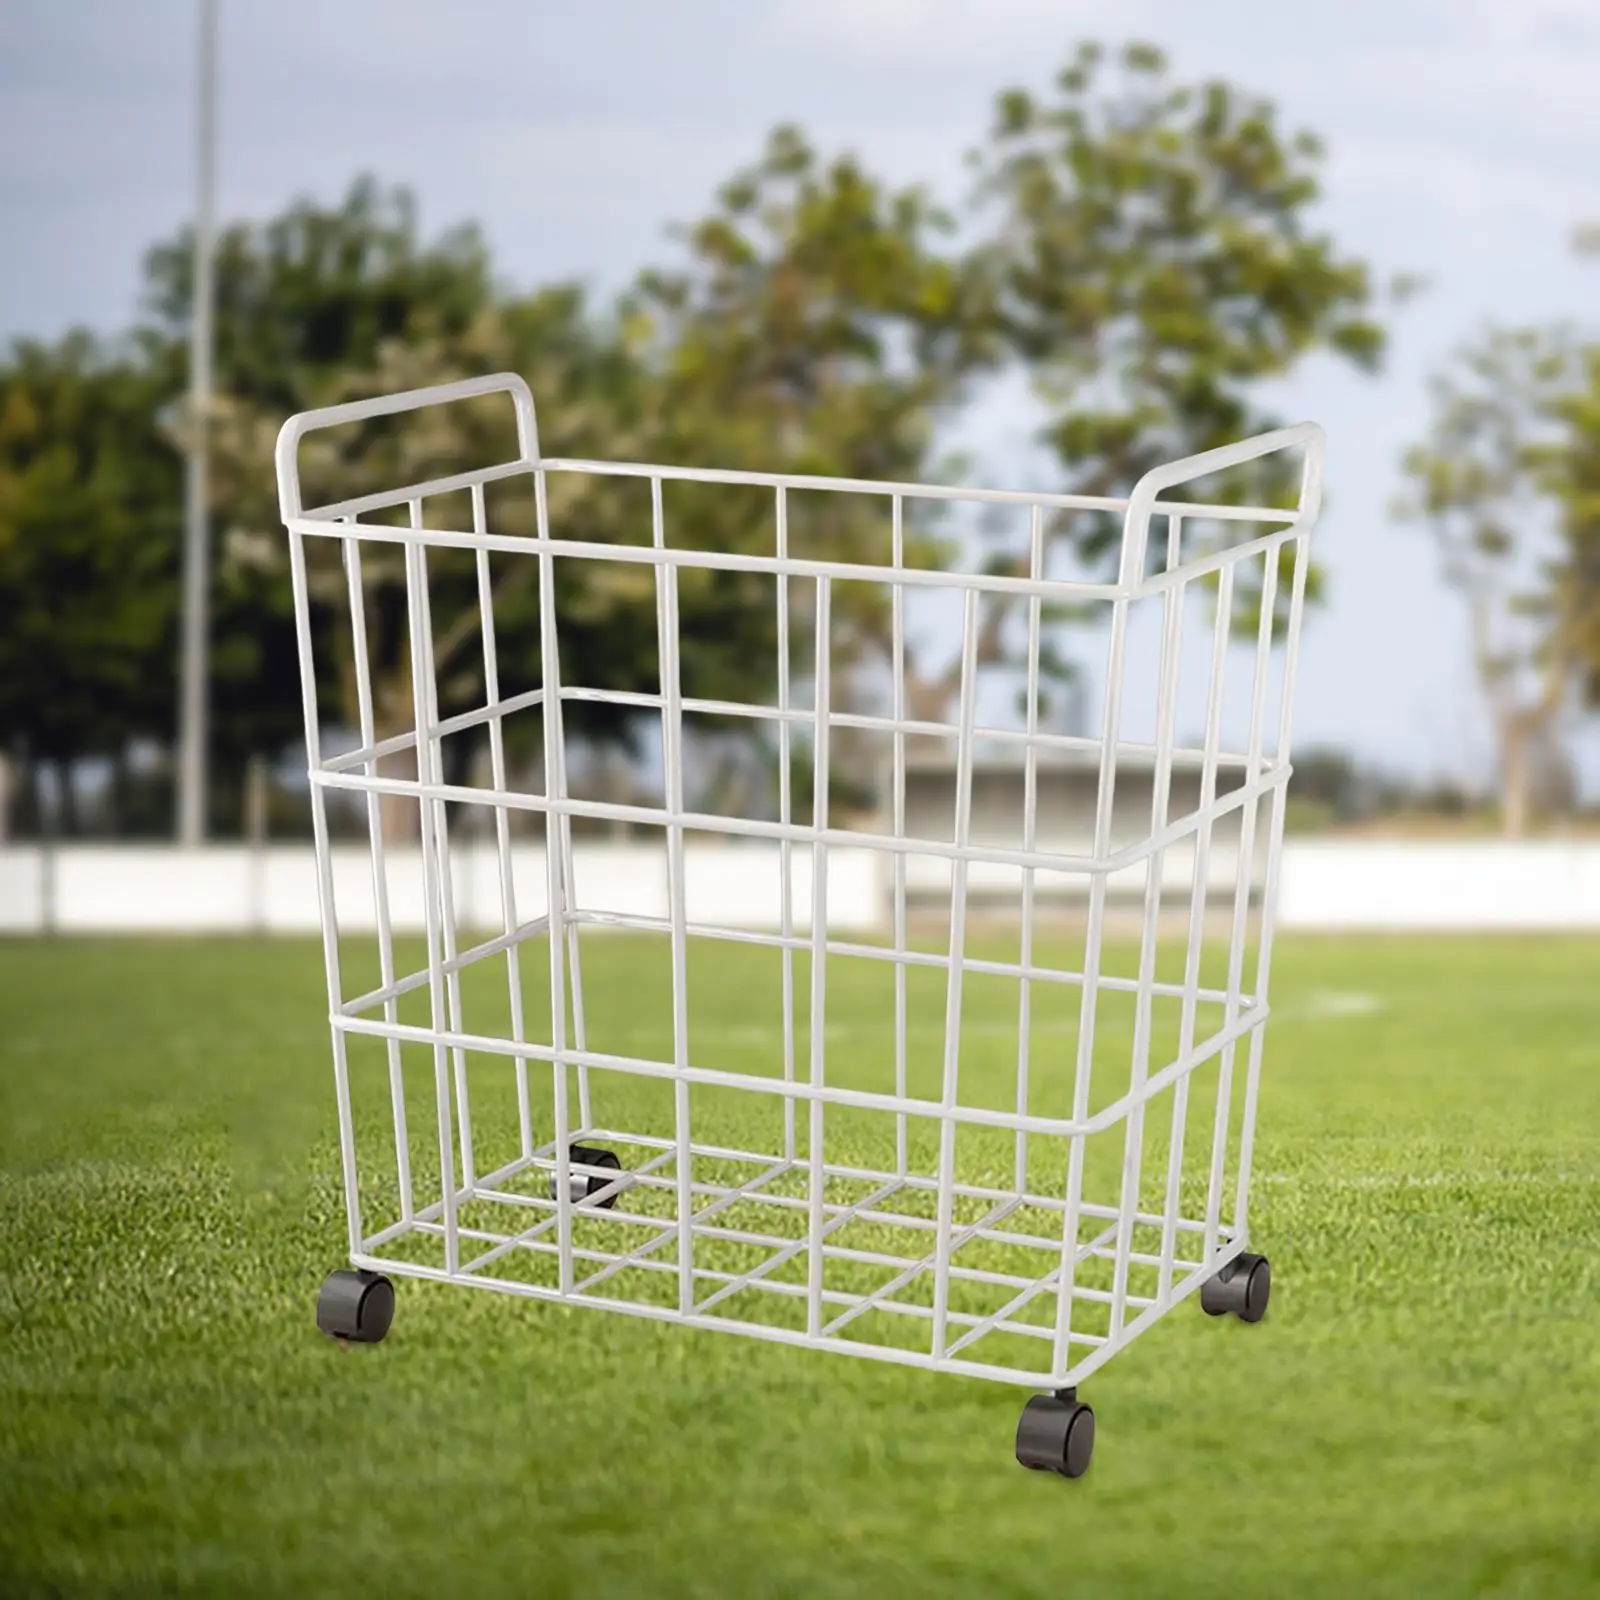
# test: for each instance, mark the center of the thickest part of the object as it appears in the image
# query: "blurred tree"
(1504, 481)
(1149, 251)
(1571, 471)
(819, 323)
(318, 307)
(306, 295)
(815, 326)
(302, 302)
(1141, 247)
(88, 554)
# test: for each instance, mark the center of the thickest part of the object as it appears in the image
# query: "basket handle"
(1136, 522)
(287, 454)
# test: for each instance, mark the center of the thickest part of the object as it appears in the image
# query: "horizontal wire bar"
(709, 560)
(862, 1210)
(507, 1242)
(700, 822)
(1039, 740)
(429, 487)
(1100, 1246)
(438, 730)
(1273, 777)
(868, 722)
(1048, 589)
(786, 1250)
(628, 921)
(991, 1324)
(790, 1248)
(1086, 1368)
(428, 1222)
(895, 1355)
(998, 1212)
(910, 1180)
(542, 1161)
(908, 491)
(389, 499)
(873, 1217)
(462, 959)
(670, 1227)
(799, 833)
(828, 1094)
(471, 1192)
(1199, 566)
(528, 1240)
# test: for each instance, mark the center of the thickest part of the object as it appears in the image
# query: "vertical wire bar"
(898, 667)
(672, 765)
(436, 814)
(554, 762)
(951, 1088)
(1144, 1004)
(1112, 713)
(1269, 890)
(330, 916)
(562, 844)
(819, 955)
(421, 700)
(580, 1030)
(1241, 904)
(502, 822)
(785, 846)
(1198, 894)
(1030, 799)
(380, 871)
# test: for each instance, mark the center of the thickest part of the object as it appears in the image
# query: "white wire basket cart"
(998, 1139)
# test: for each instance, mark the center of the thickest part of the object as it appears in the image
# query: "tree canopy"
(1507, 480)
(88, 550)
(1145, 249)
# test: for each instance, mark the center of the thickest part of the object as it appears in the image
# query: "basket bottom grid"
(743, 1262)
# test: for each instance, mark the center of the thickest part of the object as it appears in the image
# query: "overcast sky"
(1462, 142)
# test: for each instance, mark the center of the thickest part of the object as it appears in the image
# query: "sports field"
(1416, 1416)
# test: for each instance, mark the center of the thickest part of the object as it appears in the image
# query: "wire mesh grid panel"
(1000, 1145)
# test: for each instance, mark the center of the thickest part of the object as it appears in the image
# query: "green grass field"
(1415, 1417)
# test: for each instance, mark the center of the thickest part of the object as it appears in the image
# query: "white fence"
(1400, 884)
(123, 888)
(1332, 884)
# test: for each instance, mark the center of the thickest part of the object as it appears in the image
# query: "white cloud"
(1561, 21)
(1435, 179)
(943, 33)
(1482, 88)
(1461, 134)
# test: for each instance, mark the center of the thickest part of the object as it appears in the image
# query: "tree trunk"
(255, 801)
(67, 799)
(1515, 774)
(120, 787)
(398, 814)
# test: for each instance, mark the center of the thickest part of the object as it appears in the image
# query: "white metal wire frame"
(1028, 1272)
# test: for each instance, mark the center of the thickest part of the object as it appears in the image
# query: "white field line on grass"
(1331, 1003)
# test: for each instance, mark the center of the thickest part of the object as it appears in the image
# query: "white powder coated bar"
(940, 1208)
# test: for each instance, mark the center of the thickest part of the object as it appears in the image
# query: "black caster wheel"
(1056, 1434)
(1243, 1287)
(355, 1306)
(584, 1184)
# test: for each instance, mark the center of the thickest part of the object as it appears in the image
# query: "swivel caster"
(583, 1184)
(355, 1306)
(1242, 1287)
(1056, 1434)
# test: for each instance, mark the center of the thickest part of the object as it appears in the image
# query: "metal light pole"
(192, 734)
